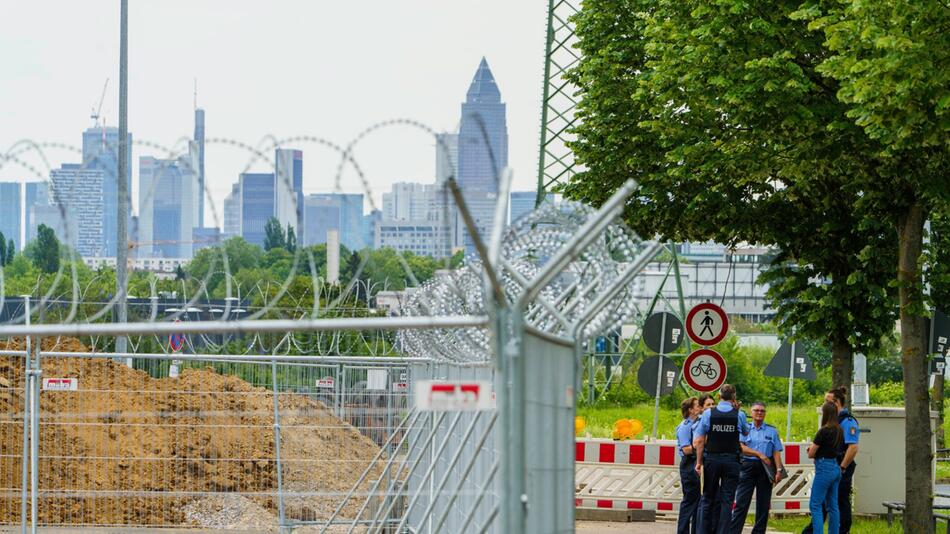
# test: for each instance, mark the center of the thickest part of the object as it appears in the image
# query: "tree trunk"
(936, 404)
(918, 476)
(842, 364)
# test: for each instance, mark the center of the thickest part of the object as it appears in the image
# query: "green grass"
(600, 421)
(860, 525)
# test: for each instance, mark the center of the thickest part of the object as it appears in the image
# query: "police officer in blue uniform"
(716, 441)
(689, 479)
(761, 446)
(846, 454)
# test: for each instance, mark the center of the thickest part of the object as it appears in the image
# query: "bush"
(887, 394)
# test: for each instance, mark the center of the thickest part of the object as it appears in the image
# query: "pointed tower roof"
(483, 87)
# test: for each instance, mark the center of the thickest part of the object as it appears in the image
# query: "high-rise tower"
(200, 140)
(100, 151)
(483, 134)
(482, 154)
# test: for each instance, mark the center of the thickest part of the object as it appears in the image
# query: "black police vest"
(723, 434)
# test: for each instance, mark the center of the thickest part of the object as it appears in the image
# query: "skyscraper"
(200, 139)
(78, 194)
(232, 213)
(523, 202)
(257, 205)
(100, 150)
(446, 156)
(289, 167)
(10, 213)
(483, 134)
(334, 211)
(482, 153)
(37, 194)
(167, 204)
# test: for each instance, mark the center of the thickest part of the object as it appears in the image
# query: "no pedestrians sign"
(707, 324)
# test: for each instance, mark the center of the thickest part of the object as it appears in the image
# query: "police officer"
(761, 446)
(716, 440)
(689, 479)
(846, 454)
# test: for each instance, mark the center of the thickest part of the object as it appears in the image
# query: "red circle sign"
(704, 370)
(176, 341)
(707, 324)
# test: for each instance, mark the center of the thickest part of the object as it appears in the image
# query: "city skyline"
(162, 113)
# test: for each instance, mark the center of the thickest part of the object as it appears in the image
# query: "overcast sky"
(276, 68)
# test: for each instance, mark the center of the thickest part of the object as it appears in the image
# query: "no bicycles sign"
(704, 370)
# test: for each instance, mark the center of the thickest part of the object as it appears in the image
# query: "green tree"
(717, 111)
(3, 250)
(180, 273)
(46, 250)
(892, 61)
(11, 251)
(274, 236)
(291, 243)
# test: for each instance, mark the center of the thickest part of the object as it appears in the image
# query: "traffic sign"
(937, 365)
(326, 382)
(176, 341)
(647, 375)
(704, 370)
(453, 396)
(663, 332)
(707, 324)
(938, 328)
(779, 365)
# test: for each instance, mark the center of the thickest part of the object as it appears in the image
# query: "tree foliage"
(274, 236)
(45, 250)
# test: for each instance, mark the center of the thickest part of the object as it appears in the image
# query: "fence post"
(26, 419)
(280, 479)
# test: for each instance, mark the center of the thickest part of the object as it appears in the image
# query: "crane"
(96, 111)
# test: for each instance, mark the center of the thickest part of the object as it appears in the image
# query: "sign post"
(799, 366)
(662, 332)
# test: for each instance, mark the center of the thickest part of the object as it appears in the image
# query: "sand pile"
(129, 449)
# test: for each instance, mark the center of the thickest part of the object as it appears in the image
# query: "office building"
(100, 151)
(167, 205)
(370, 221)
(289, 196)
(78, 192)
(205, 238)
(521, 202)
(232, 213)
(36, 194)
(200, 183)
(321, 214)
(419, 237)
(483, 134)
(10, 214)
(446, 156)
(334, 211)
(482, 153)
(257, 205)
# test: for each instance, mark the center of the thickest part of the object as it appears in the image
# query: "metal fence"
(225, 444)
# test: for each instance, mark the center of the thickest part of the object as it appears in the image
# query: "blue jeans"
(824, 490)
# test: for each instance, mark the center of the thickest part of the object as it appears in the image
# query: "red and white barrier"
(645, 475)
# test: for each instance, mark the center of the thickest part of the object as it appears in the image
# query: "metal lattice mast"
(556, 161)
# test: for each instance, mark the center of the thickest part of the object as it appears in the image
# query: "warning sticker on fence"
(325, 382)
(60, 384)
(400, 386)
(453, 396)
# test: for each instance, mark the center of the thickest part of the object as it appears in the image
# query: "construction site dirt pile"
(130, 449)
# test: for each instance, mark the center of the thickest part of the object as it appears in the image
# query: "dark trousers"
(752, 476)
(689, 507)
(844, 501)
(720, 478)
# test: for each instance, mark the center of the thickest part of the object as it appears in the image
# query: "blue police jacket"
(702, 427)
(763, 439)
(684, 435)
(849, 425)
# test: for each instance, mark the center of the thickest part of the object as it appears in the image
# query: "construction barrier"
(645, 476)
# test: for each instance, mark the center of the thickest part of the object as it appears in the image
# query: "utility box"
(879, 475)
